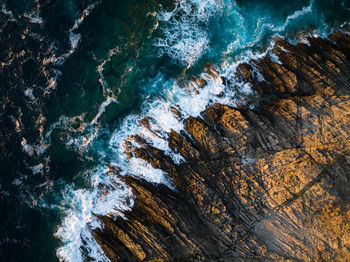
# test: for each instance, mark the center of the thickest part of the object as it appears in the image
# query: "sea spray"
(185, 39)
(106, 197)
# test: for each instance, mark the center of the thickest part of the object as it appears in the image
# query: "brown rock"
(270, 184)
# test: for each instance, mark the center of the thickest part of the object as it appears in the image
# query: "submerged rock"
(270, 183)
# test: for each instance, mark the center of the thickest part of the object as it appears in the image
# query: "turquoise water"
(116, 62)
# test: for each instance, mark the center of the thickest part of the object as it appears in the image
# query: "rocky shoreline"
(262, 184)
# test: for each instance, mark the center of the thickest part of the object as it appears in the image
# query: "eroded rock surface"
(266, 184)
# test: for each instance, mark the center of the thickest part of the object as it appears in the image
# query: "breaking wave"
(186, 36)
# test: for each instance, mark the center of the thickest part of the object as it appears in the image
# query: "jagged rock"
(271, 183)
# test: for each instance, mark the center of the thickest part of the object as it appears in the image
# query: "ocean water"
(78, 76)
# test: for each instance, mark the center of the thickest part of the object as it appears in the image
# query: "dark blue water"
(77, 76)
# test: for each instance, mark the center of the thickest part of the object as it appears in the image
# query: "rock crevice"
(270, 183)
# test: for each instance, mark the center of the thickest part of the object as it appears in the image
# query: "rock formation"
(265, 184)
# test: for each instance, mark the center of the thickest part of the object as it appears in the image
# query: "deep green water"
(127, 58)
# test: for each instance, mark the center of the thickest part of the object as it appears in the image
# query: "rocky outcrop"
(263, 184)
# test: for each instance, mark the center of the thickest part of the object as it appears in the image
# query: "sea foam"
(80, 206)
(185, 30)
(185, 39)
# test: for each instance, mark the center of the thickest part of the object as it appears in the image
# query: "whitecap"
(185, 40)
(184, 28)
(80, 206)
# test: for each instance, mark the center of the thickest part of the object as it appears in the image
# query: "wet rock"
(265, 184)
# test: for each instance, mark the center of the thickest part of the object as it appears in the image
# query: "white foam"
(81, 136)
(193, 104)
(164, 119)
(86, 12)
(34, 17)
(185, 41)
(161, 121)
(248, 160)
(305, 10)
(29, 93)
(79, 205)
(74, 39)
(143, 169)
(37, 169)
(65, 122)
(82, 203)
(102, 108)
(264, 24)
(8, 12)
(16, 182)
(246, 36)
(28, 148)
(185, 35)
(100, 67)
(37, 149)
(137, 167)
